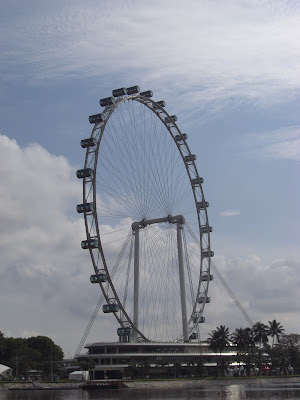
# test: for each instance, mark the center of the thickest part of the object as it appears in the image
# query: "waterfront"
(271, 389)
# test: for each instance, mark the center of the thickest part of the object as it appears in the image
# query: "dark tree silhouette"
(275, 330)
(218, 341)
(260, 333)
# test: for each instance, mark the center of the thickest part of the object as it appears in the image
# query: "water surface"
(276, 391)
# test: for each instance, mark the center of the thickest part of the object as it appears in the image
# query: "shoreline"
(227, 381)
(161, 384)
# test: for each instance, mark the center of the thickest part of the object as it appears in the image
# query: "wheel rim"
(140, 173)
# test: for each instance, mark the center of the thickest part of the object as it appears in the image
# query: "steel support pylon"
(136, 226)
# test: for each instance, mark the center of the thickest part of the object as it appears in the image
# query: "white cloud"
(283, 143)
(42, 265)
(44, 273)
(229, 213)
(266, 292)
(212, 54)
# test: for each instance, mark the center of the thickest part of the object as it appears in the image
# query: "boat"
(103, 384)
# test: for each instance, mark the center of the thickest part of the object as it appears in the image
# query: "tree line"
(38, 353)
(281, 352)
(261, 345)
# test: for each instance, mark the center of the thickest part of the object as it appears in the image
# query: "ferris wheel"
(146, 220)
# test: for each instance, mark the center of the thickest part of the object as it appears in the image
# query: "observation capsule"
(148, 93)
(161, 103)
(205, 277)
(195, 318)
(171, 118)
(207, 253)
(197, 181)
(110, 308)
(133, 90)
(194, 336)
(121, 331)
(202, 299)
(190, 158)
(98, 278)
(180, 138)
(119, 92)
(85, 207)
(125, 331)
(90, 243)
(95, 118)
(201, 205)
(206, 229)
(84, 173)
(108, 101)
(90, 142)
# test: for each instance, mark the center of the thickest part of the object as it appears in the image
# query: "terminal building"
(141, 359)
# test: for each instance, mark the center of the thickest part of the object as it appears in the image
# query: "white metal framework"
(140, 176)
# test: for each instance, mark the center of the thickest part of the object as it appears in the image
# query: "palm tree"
(260, 333)
(275, 330)
(243, 339)
(219, 339)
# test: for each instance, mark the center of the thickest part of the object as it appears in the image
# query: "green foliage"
(275, 330)
(287, 352)
(284, 352)
(219, 339)
(243, 339)
(260, 333)
(39, 353)
(86, 364)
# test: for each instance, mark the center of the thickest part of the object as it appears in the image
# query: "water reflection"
(211, 392)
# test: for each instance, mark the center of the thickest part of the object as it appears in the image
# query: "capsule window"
(98, 278)
(108, 101)
(119, 92)
(90, 142)
(95, 118)
(147, 93)
(84, 173)
(203, 299)
(197, 181)
(89, 244)
(194, 335)
(201, 205)
(172, 118)
(206, 229)
(205, 277)
(208, 253)
(161, 103)
(110, 308)
(86, 207)
(179, 138)
(133, 90)
(190, 158)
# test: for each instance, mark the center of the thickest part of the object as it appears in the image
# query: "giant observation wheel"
(146, 220)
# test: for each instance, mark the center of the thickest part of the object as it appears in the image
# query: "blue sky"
(231, 75)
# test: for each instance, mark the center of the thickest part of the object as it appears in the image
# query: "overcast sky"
(230, 71)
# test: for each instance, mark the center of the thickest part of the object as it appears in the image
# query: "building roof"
(145, 344)
(3, 368)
